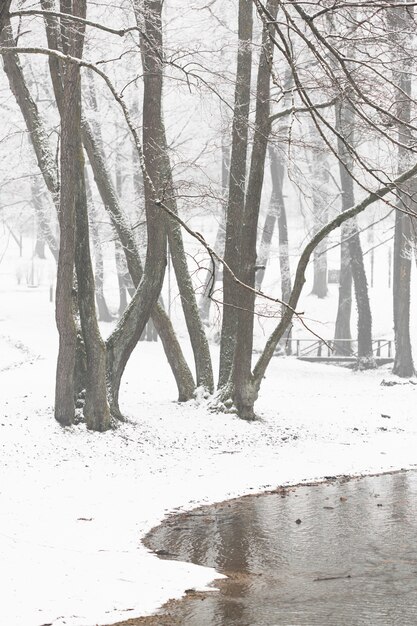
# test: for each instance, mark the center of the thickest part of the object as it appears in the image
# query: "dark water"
(351, 561)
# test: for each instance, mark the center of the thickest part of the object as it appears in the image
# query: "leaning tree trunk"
(299, 279)
(93, 147)
(131, 325)
(243, 384)
(30, 112)
(401, 21)
(152, 56)
(237, 184)
(174, 354)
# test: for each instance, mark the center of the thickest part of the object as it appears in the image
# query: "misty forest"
(208, 244)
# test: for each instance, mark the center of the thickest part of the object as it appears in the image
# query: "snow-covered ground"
(75, 504)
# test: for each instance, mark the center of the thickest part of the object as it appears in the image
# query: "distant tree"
(400, 22)
(345, 121)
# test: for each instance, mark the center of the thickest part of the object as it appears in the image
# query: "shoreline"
(171, 611)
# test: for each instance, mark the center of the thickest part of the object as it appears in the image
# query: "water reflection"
(351, 561)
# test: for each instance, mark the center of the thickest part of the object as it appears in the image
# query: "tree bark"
(164, 186)
(210, 279)
(237, 184)
(400, 21)
(96, 408)
(104, 314)
(4, 13)
(174, 354)
(345, 119)
(92, 145)
(131, 325)
(320, 178)
(30, 112)
(44, 230)
(243, 384)
(69, 166)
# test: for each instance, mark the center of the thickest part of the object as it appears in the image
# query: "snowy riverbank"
(74, 504)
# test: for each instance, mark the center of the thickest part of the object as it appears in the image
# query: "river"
(339, 553)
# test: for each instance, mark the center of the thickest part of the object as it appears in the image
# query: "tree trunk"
(342, 334)
(401, 20)
(4, 13)
(237, 184)
(30, 112)
(44, 232)
(299, 279)
(121, 271)
(131, 325)
(46, 161)
(104, 314)
(320, 178)
(174, 354)
(96, 408)
(212, 274)
(244, 389)
(165, 188)
(69, 165)
(107, 192)
(277, 176)
(345, 126)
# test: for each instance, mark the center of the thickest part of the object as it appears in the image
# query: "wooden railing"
(320, 348)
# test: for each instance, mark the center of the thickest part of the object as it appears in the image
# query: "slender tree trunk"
(244, 387)
(345, 125)
(70, 123)
(342, 334)
(401, 21)
(320, 178)
(96, 408)
(212, 274)
(165, 187)
(30, 112)
(44, 231)
(131, 325)
(121, 271)
(237, 183)
(199, 343)
(104, 314)
(277, 176)
(180, 369)
(276, 214)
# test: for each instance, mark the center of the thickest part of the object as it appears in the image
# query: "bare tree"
(244, 389)
(69, 171)
(152, 53)
(237, 183)
(400, 21)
